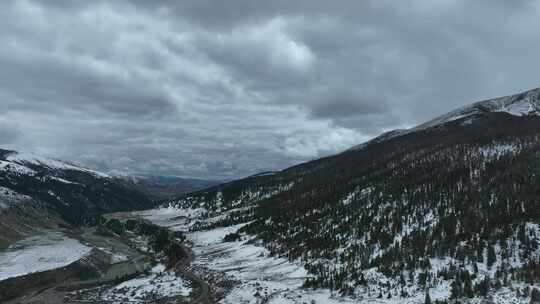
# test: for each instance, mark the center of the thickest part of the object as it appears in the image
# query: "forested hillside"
(37, 193)
(452, 208)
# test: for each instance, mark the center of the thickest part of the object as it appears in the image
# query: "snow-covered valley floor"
(39, 253)
(159, 283)
(261, 278)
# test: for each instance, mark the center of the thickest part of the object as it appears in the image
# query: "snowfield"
(160, 283)
(173, 218)
(261, 276)
(39, 253)
(266, 279)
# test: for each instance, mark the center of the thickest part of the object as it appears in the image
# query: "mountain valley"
(445, 212)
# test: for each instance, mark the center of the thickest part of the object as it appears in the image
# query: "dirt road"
(203, 291)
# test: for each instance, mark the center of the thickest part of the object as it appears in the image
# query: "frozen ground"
(271, 280)
(263, 279)
(39, 253)
(173, 218)
(158, 284)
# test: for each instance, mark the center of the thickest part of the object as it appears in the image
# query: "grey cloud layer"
(223, 89)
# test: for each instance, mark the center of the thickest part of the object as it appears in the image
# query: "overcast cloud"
(223, 89)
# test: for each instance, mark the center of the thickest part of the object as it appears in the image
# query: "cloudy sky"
(222, 89)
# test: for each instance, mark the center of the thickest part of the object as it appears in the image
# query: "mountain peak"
(521, 104)
(525, 103)
(25, 158)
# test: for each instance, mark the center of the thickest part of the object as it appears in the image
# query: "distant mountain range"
(161, 187)
(38, 192)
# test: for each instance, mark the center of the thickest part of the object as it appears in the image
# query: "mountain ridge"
(159, 187)
(520, 104)
(450, 209)
(42, 193)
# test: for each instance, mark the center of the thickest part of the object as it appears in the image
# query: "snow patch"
(29, 158)
(263, 278)
(15, 168)
(9, 197)
(160, 283)
(496, 150)
(39, 253)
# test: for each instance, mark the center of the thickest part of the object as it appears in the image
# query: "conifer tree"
(427, 299)
(455, 291)
(467, 287)
(492, 256)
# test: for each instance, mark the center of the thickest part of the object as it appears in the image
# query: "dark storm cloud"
(223, 89)
(51, 82)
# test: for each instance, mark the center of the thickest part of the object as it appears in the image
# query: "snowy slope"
(12, 167)
(74, 193)
(9, 197)
(526, 103)
(260, 277)
(426, 212)
(26, 159)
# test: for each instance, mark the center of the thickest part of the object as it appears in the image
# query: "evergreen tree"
(455, 289)
(483, 287)
(467, 286)
(492, 256)
(427, 299)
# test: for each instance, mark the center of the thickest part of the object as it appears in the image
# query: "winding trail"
(203, 290)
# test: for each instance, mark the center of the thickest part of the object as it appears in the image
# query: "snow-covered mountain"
(448, 210)
(30, 160)
(38, 192)
(522, 104)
